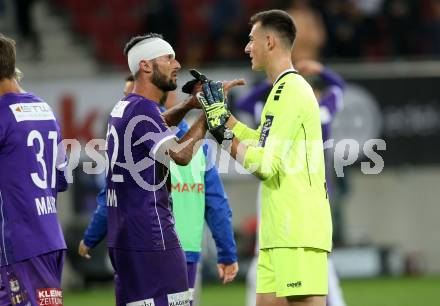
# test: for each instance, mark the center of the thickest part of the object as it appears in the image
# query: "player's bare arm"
(181, 151)
(174, 115)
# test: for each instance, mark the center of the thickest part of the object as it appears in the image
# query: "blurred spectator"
(225, 24)
(28, 35)
(227, 48)
(224, 12)
(311, 34)
(195, 51)
(2, 7)
(345, 28)
(370, 7)
(432, 27)
(2, 14)
(163, 17)
(215, 30)
(403, 20)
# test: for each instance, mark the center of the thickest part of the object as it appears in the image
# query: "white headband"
(147, 49)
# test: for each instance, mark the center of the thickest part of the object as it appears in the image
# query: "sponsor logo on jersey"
(32, 111)
(295, 284)
(191, 294)
(148, 302)
(265, 130)
(118, 110)
(178, 299)
(50, 297)
(185, 187)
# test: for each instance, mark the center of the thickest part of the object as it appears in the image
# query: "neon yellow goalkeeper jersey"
(286, 153)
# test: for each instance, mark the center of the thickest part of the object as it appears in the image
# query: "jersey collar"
(282, 74)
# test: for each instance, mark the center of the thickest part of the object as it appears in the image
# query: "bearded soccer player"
(198, 195)
(286, 153)
(32, 247)
(143, 245)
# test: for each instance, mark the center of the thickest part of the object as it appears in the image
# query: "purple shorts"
(156, 278)
(33, 282)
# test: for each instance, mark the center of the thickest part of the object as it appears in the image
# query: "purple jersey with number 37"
(29, 159)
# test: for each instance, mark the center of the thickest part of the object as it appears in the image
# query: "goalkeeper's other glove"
(188, 87)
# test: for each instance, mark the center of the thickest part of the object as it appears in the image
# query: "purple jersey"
(331, 100)
(139, 210)
(29, 138)
(254, 101)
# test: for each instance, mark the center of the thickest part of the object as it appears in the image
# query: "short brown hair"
(279, 21)
(7, 57)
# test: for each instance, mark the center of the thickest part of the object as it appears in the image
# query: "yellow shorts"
(292, 271)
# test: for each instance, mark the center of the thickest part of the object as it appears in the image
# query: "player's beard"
(160, 80)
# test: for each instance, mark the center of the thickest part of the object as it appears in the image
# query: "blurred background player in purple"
(32, 163)
(29, 36)
(328, 87)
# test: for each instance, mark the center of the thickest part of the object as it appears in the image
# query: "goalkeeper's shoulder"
(291, 94)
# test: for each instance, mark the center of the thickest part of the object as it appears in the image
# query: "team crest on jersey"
(148, 302)
(32, 111)
(14, 285)
(265, 130)
(18, 294)
(118, 110)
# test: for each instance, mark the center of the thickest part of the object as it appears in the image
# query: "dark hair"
(7, 57)
(134, 40)
(129, 78)
(279, 21)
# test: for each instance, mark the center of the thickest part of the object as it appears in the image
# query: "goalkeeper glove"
(213, 103)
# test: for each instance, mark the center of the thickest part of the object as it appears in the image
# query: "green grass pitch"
(415, 291)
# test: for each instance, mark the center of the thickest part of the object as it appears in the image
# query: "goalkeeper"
(286, 153)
